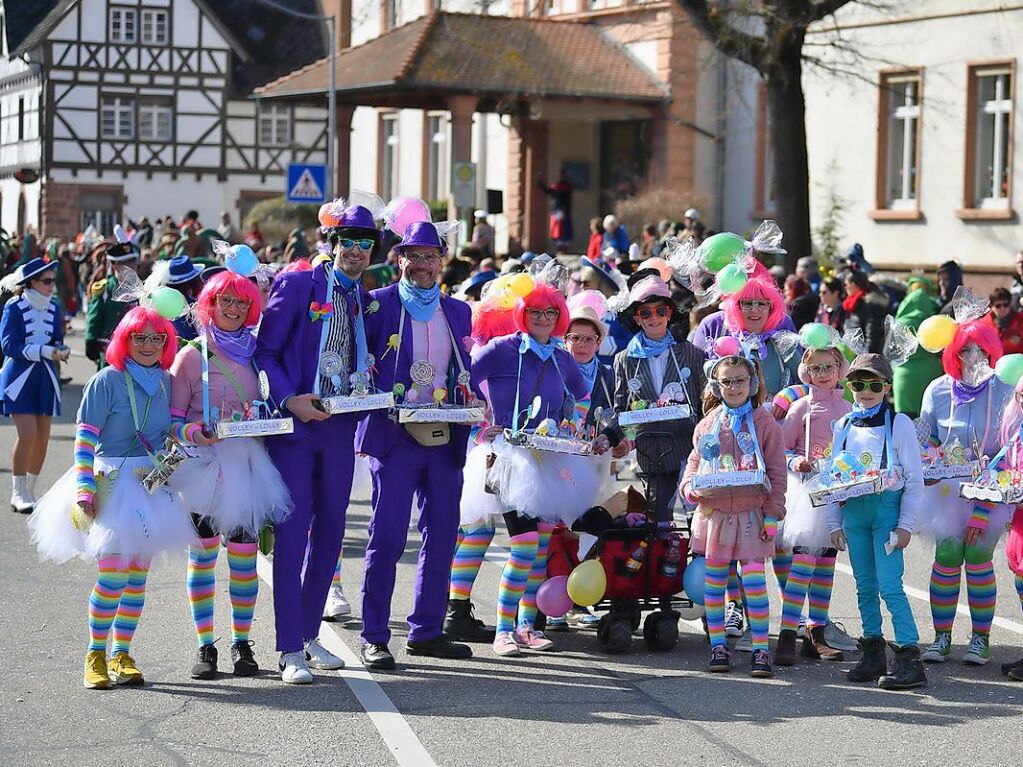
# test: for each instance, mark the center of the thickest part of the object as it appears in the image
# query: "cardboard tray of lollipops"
(548, 438)
(1004, 486)
(845, 476)
(443, 413)
(719, 471)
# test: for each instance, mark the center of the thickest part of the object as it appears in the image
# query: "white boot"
(20, 501)
(31, 487)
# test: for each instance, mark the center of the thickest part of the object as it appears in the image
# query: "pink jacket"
(736, 500)
(821, 408)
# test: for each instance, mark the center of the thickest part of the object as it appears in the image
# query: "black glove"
(93, 350)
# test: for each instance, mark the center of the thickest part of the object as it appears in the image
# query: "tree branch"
(732, 42)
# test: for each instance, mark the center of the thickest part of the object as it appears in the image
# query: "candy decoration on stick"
(720, 250)
(937, 332)
(815, 335)
(710, 447)
(1009, 369)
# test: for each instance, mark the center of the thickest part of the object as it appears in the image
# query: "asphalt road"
(575, 706)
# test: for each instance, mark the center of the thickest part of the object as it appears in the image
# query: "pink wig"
(975, 331)
(1012, 415)
(542, 297)
(490, 321)
(135, 321)
(228, 282)
(755, 288)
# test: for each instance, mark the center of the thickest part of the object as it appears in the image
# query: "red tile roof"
(484, 55)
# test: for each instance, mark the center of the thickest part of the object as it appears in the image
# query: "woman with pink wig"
(123, 421)
(1012, 438)
(231, 488)
(958, 417)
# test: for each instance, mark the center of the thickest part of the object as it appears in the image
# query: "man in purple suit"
(312, 343)
(418, 342)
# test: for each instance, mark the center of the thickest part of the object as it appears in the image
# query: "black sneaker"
(206, 665)
(376, 657)
(462, 626)
(440, 647)
(243, 659)
(720, 660)
(760, 664)
(1016, 665)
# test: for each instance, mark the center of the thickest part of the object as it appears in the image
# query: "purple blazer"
(288, 343)
(377, 435)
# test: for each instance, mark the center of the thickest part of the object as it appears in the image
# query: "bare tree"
(769, 36)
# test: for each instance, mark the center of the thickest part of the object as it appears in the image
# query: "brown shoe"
(815, 647)
(785, 649)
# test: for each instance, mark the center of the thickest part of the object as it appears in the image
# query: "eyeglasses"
(421, 258)
(228, 302)
(544, 314)
(734, 383)
(647, 312)
(47, 280)
(822, 370)
(575, 338)
(755, 305)
(141, 339)
(875, 386)
(348, 244)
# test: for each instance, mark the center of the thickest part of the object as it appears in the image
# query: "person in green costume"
(912, 378)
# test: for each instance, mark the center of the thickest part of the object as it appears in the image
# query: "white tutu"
(477, 504)
(553, 487)
(234, 484)
(945, 514)
(804, 525)
(130, 522)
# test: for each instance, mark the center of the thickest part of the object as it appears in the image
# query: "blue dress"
(28, 380)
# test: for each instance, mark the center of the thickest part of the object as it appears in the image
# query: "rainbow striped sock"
(129, 611)
(734, 589)
(537, 575)
(336, 580)
(1019, 589)
(106, 595)
(821, 586)
(944, 596)
(714, 585)
(794, 593)
(758, 608)
(981, 593)
(243, 588)
(472, 547)
(782, 566)
(201, 585)
(514, 578)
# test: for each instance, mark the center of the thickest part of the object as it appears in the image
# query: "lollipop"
(710, 447)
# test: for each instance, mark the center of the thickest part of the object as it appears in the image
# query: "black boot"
(460, 624)
(785, 650)
(906, 670)
(874, 662)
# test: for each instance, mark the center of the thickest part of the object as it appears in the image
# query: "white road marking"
(396, 733)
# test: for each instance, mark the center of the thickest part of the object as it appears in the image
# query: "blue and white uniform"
(31, 328)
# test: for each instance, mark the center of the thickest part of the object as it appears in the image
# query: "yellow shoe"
(123, 671)
(96, 677)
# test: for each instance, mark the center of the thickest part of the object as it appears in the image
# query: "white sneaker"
(320, 657)
(294, 669)
(733, 620)
(745, 643)
(337, 605)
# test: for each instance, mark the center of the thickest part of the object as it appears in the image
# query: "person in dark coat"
(950, 277)
(865, 306)
(830, 311)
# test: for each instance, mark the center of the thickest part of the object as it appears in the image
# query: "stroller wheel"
(614, 633)
(660, 630)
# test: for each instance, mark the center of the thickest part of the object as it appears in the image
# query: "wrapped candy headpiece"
(899, 342)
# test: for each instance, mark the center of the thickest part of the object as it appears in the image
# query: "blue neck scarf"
(543, 351)
(642, 347)
(590, 371)
(421, 303)
(238, 346)
(737, 415)
(963, 394)
(361, 346)
(148, 378)
(861, 417)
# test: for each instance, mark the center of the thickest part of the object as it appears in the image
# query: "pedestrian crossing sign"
(307, 183)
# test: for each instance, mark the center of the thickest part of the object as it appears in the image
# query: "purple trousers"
(317, 469)
(431, 476)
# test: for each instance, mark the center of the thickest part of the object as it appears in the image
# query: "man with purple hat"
(418, 341)
(311, 343)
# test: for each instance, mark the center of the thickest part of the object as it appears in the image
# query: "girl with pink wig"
(123, 421)
(1011, 424)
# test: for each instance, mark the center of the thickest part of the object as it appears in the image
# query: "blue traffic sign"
(307, 183)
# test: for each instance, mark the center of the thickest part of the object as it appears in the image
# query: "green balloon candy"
(731, 279)
(168, 302)
(720, 250)
(1009, 368)
(815, 336)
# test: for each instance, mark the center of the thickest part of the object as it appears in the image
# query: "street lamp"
(331, 23)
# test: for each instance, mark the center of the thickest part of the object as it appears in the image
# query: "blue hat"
(527, 257)
(182, 270)
(422, 234)
(478, 279)
(33, 268)
(601, 267)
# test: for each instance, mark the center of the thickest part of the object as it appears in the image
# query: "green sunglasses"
(875, 386)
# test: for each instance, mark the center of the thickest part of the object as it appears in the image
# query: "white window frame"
(275, 124)
(119, 25)
(389, 140)
(122, 109)
(996, 157)
(438, 156)
(151, 110)
(151, 23)
(901, 171)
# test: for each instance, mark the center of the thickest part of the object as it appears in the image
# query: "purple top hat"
(422, 234)
(356, 216)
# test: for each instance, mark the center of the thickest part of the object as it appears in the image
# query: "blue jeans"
(868, 521)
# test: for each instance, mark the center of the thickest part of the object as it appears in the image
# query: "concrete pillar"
(342, 149)
(461, 109)
(525, 203)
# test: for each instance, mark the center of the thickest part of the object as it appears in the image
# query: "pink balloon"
(660, 265)
(726, 346)
(591, 298)
(552, 597)
(403, 211)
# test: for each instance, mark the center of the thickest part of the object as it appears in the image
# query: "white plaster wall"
(9, 193)
(363, 167)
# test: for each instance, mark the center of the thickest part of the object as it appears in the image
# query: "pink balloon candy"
(726, 346)
(552, 597)
(660, 265)
(403, 211)
(591, 298)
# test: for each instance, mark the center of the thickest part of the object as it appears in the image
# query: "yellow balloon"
(502, 282)
(937, 332)
(507, 300)
(587, 583)
(521, 284)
